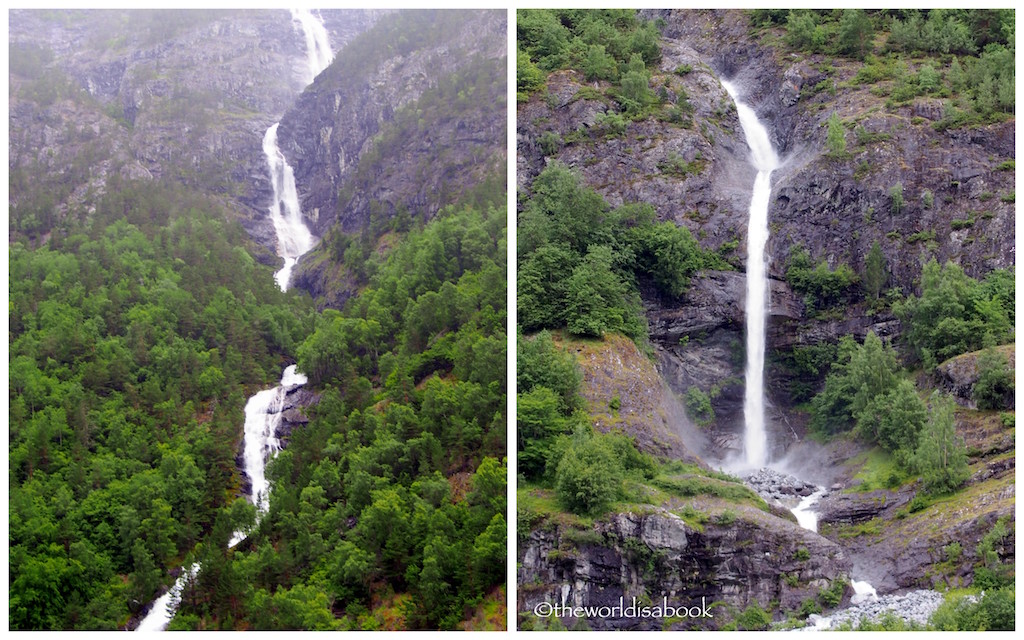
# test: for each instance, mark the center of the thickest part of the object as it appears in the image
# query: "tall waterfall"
(293, 237)
(765, 161)
(263, 410)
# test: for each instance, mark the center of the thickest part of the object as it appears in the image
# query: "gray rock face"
(185, 95)
(657, 557)
(338, 125)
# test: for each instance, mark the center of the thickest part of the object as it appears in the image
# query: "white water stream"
(263, 410)
(263, 414)
(755, 439)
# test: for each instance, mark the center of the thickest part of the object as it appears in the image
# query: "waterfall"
(804, 516)
(163, 608)
(765, 161)
(293, 237)
(263, 410)
(262, 417)
(318, 46)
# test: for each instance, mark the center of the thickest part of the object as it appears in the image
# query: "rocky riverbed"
(776, 486)
(915, 606)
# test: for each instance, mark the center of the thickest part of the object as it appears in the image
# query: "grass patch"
(878, 470)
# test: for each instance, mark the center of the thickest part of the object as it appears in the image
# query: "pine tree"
(835, 140)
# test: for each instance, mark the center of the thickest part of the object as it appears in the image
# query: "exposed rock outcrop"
(656, 556)
(957, 376)
(185, 95)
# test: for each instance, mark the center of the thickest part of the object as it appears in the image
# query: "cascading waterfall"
(805, 517)
(293, 237)
(263, 410)
(263, 414)
(765, 160)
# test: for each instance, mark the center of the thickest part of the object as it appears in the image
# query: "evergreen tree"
(835, 140)
(855, 33)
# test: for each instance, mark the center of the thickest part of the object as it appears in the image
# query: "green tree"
(941, 456)
(898, 418)
(835, 140)
(588, 476)
(538, 423)
(635, 93)
(876, 271)
(599, 65)
(599, 300)
(540, 363)
(529, 78)
(803, 32)
(955, 313)
(855, 33)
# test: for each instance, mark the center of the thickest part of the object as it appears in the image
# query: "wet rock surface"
(780, 487)
(180, 97)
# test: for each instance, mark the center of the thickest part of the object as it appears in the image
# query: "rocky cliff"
(184, 95)
(731, 563)
(408, 128)
(688, 158)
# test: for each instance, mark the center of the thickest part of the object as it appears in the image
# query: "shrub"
(833, 595)
(753, 618)
(550, 142)
(588, 476)
(994, 388)
(952, 552)
(896, 198)
(822, 287)
(698, 405)
(991, 611)
(612, 124)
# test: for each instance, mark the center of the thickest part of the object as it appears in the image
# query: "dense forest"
(143, 315)
(135, 337)
(593, 82)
